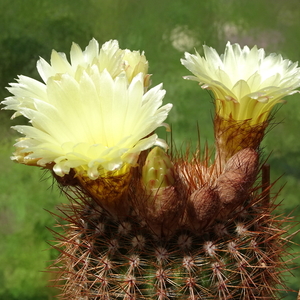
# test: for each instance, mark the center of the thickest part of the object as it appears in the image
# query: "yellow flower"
(246, 83)
(91, 114)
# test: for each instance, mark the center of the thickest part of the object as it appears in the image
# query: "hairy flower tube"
(245, 82)
(93, 115)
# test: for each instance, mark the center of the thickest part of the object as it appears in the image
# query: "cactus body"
(185, 249)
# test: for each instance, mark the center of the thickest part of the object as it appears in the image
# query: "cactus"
(147, 223)
(180, 238)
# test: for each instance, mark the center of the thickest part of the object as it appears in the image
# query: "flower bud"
(232, 188)
(202, 208)
(158, 202)
(246, 160)
(239, 174)
(158, 171)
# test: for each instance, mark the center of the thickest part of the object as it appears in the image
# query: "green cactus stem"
(215, 243)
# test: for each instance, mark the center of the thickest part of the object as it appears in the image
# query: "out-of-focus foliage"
(164, 30)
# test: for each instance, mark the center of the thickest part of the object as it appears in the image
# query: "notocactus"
(142, 223)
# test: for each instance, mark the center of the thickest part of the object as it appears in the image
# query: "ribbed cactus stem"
(180, 239)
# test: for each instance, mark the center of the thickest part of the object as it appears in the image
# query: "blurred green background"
(164, 29)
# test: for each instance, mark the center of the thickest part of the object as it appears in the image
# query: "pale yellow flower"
(109, 57)
(89, 114)
(246, 83)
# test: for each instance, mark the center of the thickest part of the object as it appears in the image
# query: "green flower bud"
(158, 171)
